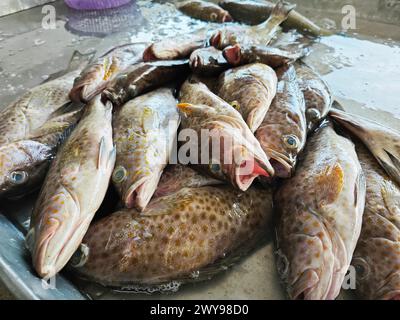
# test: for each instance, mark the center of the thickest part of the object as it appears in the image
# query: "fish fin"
(112, 156)
(330, 182)
(278, 14)
(392, 167)
(80, 60)
(391, 197)
(338, 106)
(103, 157)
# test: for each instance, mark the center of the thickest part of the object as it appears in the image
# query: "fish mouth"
(303, 288)
(140, 193)
(216, 40)
(148, 54)
(244, 178)
(196, 62)
(232, 54)
(281, 163)
(227, 18)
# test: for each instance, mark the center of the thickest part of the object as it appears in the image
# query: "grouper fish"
(250, 89)
(176, 236)
(282, 133)
(94, 78)
(321, 209)
(24, 163)
(204, 10)
(73, 190)
(377, 256)
(383, 142)
(259, 34)
(225, 147)
(145, 130)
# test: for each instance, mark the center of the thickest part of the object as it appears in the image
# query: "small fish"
(73, 190)
(144, 77)
(282, 134)
(205, 10)
(383, 142)
(238, 55)
(321, 211)
(174, 48)
(97, 75)
(177, 235)
(255, 12)
(250, 89)
(208, 61)
(24, 163)
(252, 35)
(377, 255)
(317, 95)
(145, 129)
(229, 152)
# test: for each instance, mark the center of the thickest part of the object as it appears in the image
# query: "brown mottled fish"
(377, 256)
(174, 48)
(208, 61)
(250, 89)
(238, 55)
(145, 129)
(95, 77)
(252, 35)
(317, 95)
(383, 142)
(204, 10)
(24, 163)
(144, 77)
(255, 12)
(223, 146)
(177, 235)
(321, 209)
(73, 190)
(282, 134)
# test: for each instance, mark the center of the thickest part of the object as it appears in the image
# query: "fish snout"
(232, 54)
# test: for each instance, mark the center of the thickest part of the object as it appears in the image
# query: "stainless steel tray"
(28, 54)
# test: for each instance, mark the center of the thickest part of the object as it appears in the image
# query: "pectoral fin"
(330, 183)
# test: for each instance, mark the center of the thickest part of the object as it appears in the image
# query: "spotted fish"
(94, 78)
(246, 35)
(250, 89)
(175, 236)
(282, 134)
(383, 142)
(24, 163)
(321, 211)
(225, 147)
(317, 95)
(144, 133)
(73, 190)
(204, 10)
(377, 255)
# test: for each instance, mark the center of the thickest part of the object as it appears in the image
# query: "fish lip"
(304, 292)
(140, 193)
(233, 59)
(148, 54)
(244, 185)
(286, 165)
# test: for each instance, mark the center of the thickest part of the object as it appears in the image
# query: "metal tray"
(255, 276)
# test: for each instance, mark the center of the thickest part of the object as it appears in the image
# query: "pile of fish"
(326, 180)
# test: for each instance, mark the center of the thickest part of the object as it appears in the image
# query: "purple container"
(95, 4)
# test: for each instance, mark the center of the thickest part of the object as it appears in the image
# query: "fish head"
(22, 166)
(282, 148)
(234, 153)
(306, 265)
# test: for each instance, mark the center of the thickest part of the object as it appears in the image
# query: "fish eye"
(362, 268)
(282, 264)
(18, 177)
(291, 141)
(313, 114)
(215, 168)
(119, 174)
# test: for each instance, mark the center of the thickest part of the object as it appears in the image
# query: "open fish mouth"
(245, 177)
(281, 163)
(140, 193)
(233, 54)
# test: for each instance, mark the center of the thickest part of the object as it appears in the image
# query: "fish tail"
(279, 14)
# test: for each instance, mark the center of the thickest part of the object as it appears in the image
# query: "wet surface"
(361, 67)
